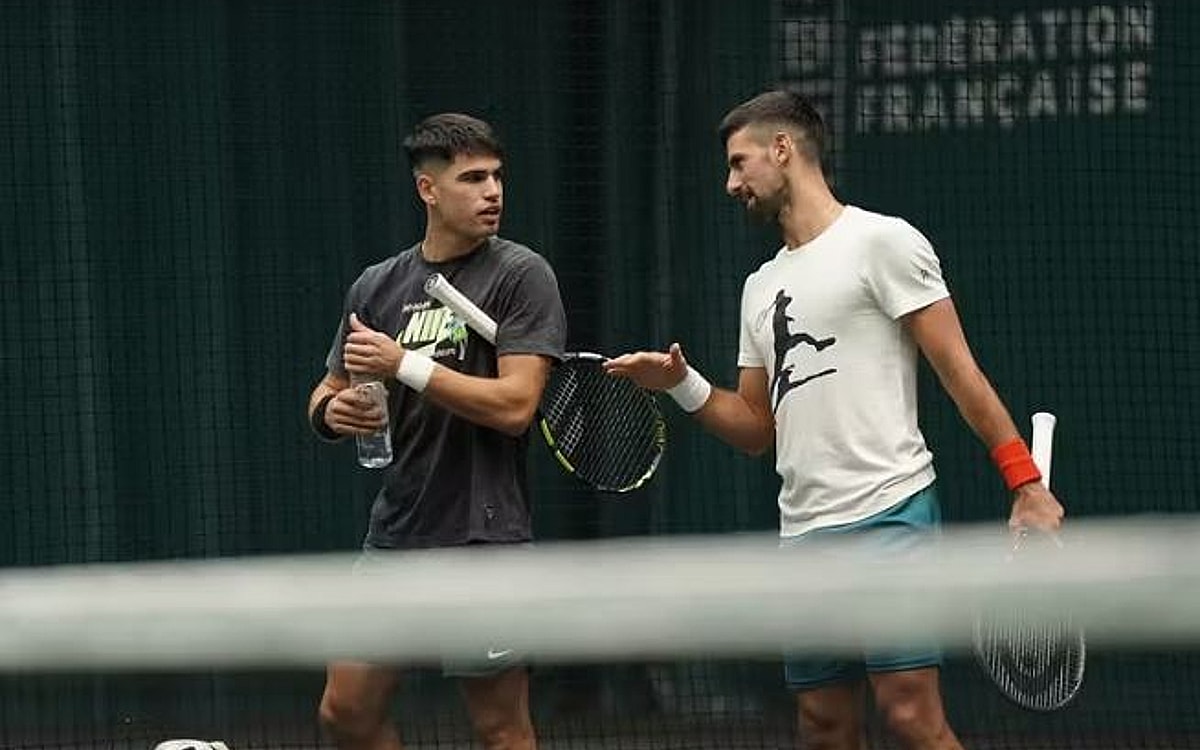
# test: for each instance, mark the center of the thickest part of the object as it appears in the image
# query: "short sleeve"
(902, 270)
(748, 353)
(534, 321)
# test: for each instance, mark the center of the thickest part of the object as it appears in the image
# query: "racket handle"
(1043, 442)
(443, 291)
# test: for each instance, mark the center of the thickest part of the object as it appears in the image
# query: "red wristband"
(1015, 463)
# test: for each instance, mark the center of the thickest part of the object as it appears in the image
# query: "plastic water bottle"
(375, 450)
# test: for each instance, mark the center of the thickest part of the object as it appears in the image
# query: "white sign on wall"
(969, 70)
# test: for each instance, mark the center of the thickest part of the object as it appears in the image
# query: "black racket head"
(1037, 662)
(605, 430)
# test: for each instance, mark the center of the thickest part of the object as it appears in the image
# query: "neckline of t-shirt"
(815, 243)
(455, 262)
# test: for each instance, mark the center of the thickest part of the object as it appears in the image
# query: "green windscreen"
(188, 189)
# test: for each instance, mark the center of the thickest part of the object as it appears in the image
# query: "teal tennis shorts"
(904, 529)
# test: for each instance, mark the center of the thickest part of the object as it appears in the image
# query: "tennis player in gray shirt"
(459, 409)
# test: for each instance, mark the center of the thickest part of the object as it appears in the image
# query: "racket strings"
(601, 425)
(1037, 664)
(608, 429)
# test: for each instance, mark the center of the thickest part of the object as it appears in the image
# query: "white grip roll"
(443, 291)
(1043, 442)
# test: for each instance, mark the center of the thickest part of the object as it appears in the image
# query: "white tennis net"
(635, 643)
(1127, 581)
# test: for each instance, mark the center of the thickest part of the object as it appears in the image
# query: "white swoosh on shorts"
(499, 654)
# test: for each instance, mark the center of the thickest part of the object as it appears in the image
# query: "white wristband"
(415, 370)
(692, 392)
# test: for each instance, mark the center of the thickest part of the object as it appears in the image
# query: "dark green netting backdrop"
(186, 190)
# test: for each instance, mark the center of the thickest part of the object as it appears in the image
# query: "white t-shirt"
(823, 320)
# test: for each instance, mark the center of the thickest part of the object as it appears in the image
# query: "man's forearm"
(731, 418)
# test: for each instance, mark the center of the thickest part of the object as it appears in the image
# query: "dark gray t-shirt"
(452, 481)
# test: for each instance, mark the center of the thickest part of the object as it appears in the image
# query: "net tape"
(627, 598)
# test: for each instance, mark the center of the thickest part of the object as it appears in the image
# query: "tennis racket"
(1036, 664)
(605, 431)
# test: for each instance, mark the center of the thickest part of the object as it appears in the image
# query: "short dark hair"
(444, 136)
(781, 108)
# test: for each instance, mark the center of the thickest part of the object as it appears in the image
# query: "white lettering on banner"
(1005, 98)
(967, 72)
(191, 745)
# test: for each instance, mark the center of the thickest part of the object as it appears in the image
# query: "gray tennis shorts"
(491, 661)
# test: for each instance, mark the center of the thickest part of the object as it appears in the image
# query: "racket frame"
(553, 442)
(439, 288)
(1041, 448)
